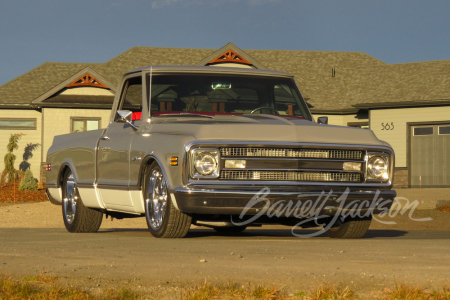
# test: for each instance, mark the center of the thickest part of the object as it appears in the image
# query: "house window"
(364, 125)
(84, 124)
(444, 129)
(423, 131)
(17, 123)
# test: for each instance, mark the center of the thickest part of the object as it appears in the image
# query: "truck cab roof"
(209, 70)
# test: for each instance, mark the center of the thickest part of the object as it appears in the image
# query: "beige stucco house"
(406, 105)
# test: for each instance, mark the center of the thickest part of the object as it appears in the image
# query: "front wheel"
(350, 228)
(163, 219)
(76, 216)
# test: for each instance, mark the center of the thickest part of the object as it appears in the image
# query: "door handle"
(105, 148)
(104, 137)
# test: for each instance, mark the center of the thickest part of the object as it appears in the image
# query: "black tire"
(82, 218)
(230, 229)
(350, 228)
(164, 220)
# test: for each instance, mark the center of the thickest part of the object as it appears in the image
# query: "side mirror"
(125, 116)
(322, 120)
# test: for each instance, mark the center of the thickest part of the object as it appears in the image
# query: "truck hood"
(263, 128)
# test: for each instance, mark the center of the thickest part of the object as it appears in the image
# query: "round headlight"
(205, 163)
(377, 166)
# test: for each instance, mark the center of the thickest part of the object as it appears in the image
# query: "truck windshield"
(211, 94)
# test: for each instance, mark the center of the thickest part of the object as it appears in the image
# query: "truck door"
(113, 160)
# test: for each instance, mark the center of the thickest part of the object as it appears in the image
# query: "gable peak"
(230, 56)
(86, 80)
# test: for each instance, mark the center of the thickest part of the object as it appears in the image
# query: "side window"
(287, 101)
(132, 95)
(15, 123)
(79, 124)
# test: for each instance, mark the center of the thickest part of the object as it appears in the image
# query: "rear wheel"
(350, 228)
(76, 216)
(163, 219)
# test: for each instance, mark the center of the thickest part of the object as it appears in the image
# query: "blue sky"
(394, 31)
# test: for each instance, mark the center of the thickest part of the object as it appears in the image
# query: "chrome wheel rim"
(156, 199)
(70, 201)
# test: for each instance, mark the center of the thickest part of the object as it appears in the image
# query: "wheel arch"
(146, 162)
(62, 170)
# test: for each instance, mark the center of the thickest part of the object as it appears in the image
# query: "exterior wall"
(398, 136)
(32, 136)
(353, 119)
(57, 121)
(401, 178)
(341, 120)
(332, 119)
(88, 91)
(233, 65)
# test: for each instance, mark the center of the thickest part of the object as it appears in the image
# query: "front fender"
(160, 148)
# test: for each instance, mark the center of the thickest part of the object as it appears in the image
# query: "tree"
(28, 182)
(10, 157)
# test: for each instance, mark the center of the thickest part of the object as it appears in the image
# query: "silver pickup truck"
(221, 147)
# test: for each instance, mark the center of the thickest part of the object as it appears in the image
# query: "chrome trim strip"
(289, 152)
(284, 175)
(294, 170)
(293, 159)
(250, 192)
(293, 183)
(85, 185)
(115, 187)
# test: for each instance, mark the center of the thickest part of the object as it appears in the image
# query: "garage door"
(430, 155)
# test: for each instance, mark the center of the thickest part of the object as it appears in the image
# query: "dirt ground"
(402, 247)
(123, 253)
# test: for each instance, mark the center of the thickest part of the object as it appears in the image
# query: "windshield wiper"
(186, 115)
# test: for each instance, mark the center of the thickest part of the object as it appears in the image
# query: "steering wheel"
(262, 107)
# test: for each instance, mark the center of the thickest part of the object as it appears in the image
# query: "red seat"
(136, 116)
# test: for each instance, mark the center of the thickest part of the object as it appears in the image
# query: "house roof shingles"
(27, 87)
(359, 77)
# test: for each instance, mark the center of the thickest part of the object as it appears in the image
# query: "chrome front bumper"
(326, 201)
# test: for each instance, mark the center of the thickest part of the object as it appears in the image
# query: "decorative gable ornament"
(87, 80)
(230, 57)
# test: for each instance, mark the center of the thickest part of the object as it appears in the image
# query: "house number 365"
(387, 126)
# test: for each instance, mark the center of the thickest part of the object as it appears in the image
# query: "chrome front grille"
(286, 152)
(290, 176)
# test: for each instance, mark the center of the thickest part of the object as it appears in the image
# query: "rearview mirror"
(125, 116)
(322, 120)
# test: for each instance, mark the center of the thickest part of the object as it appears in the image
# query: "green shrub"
(3, 177)
(10, 157)
(28, 182)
